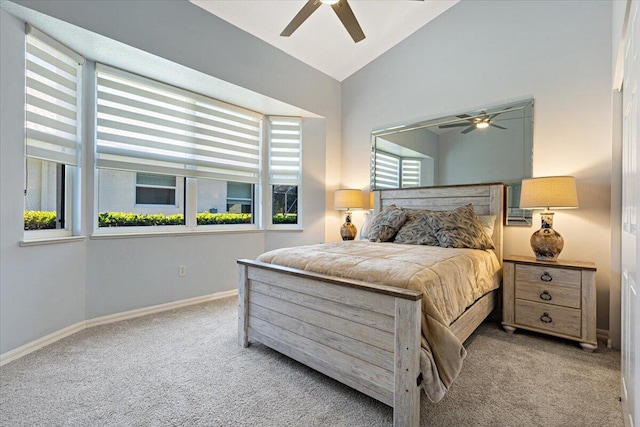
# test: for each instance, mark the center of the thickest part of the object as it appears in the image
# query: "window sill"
(51, 241)
(101, 236)
(284, 228)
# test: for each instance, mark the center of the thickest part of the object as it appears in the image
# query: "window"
(155, 189)
(44, 204)
(239, 197)
(52, 86)
(192, 159)
(285, 204)
(225, 203)
(285, 169)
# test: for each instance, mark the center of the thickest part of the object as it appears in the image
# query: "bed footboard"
(365, 336)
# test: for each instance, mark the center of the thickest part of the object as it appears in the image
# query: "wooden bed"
(378, 351)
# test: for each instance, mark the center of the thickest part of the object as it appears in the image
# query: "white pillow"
(488, 222)
(364, 230)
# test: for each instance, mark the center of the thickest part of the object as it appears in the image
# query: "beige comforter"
(450, 279)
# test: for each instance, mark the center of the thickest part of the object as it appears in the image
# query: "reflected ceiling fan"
(481, 121)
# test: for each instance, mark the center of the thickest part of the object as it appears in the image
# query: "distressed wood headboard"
(487, 199)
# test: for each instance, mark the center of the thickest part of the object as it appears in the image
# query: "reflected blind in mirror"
(387, 171)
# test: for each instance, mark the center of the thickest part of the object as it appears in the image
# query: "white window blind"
(147, 126)
(285, 150)
(52, 83)
(387, 171)
(410, 173)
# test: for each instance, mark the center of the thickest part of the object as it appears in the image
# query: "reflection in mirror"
(490, 145)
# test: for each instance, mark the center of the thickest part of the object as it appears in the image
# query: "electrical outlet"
(182, 270)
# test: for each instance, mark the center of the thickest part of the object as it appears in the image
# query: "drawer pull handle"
(546, 277)
(545, 295)
(546, 318)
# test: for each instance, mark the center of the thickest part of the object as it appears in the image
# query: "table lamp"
(557, 192)
(347, 200)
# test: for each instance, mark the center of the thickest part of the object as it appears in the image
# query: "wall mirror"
(494, 144)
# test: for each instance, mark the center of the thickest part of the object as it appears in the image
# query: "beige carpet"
(184, 368)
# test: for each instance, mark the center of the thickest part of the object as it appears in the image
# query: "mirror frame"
(514, 216)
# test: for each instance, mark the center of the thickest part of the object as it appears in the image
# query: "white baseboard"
(17, 353)
(125, 315)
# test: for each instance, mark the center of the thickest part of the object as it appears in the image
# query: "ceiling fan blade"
(469, 129)
(302, 16)
(499, 112)
(496, 126)
(453, 125)
(463, 116)
(344, 12)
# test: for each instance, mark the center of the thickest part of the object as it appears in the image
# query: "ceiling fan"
(340, 7)
(481, 121)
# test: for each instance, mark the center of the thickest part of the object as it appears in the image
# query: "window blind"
(285, 150)
(387, 171)
(410, 173)
(52, 80)
(147, 126)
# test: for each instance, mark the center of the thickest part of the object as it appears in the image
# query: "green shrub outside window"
(40, 220)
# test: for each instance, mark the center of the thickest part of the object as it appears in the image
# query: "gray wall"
(42, 288)
(494, 52)
(46, 288)
(482, 156)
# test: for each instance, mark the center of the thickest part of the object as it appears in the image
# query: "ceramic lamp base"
(547, 243)
(348, 231)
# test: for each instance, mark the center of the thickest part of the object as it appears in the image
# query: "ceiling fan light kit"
(481, 121)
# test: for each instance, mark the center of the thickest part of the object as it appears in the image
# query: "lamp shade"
(549, 192)
(347, 199)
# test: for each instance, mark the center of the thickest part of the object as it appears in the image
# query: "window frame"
(72, 185)
(70, 176)
(190, 192)
(269, 185)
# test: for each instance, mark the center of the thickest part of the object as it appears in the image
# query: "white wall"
(46, 288)
(493, 52)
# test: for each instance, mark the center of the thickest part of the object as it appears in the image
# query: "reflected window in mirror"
(393, 171)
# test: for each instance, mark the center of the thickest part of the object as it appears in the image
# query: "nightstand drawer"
(548, 317)
(548, 275)
(567, 296)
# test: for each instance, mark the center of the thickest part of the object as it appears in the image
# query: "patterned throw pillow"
(459, 228)
(386, 223)
(416, 230)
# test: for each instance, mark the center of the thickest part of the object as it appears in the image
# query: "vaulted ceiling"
(321, 41)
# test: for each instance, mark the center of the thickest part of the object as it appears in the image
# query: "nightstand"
(556, 298)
